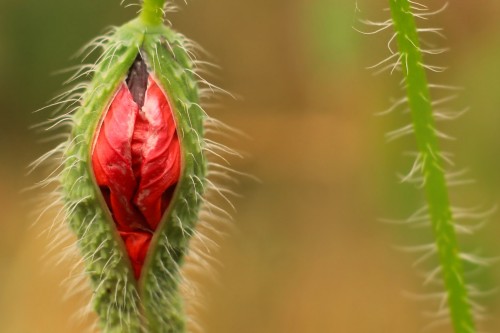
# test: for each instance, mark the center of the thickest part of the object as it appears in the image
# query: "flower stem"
(436, 190)
(152, 12)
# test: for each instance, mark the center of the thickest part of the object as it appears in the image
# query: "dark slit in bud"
(137, 80)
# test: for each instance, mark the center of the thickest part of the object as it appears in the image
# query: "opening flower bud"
(136, 160)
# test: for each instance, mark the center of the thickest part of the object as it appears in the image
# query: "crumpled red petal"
(136, 162)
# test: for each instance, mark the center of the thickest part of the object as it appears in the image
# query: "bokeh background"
(307, 252)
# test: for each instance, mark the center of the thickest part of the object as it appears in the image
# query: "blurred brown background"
(308, 253)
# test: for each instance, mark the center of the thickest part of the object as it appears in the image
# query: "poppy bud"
(134, 175)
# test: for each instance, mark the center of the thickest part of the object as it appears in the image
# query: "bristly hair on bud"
(132, 174)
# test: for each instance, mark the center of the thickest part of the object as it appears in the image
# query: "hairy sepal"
(171, 66)
(152, 304)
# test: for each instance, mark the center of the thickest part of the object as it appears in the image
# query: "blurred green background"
(307, 253)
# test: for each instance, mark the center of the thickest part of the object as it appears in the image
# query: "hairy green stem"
(152, 12)
(436, 190)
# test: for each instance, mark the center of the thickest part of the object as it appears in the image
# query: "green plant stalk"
(152, 12)
(436, 190)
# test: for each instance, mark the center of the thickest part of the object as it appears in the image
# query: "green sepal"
(169, 62)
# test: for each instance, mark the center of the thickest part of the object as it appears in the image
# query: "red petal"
(112, 158)
(136, 161)
(137, 245)
(159, 152)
